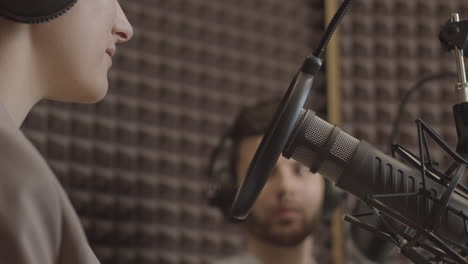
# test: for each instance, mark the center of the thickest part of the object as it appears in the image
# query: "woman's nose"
(122, 27)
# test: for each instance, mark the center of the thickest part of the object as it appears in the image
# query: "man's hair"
(254, 120)
(251, 121)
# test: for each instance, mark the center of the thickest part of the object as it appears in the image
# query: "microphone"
(422, 211)
(362, 170)
(410, 209)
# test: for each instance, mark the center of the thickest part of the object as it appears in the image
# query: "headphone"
(34, 11)
(252, 121)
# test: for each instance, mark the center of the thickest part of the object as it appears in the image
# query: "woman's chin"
(85, 96)
(86, 92)
(94, 93)
(95, 97)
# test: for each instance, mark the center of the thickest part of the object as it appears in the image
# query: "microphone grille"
(312, 145)
(300, 118)
(330, 170)
(344, 147)
(304, 156)
(318, 132)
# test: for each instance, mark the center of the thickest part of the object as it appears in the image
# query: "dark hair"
(251, 121)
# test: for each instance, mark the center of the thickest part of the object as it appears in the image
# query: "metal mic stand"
(421, 243)
(454, 37)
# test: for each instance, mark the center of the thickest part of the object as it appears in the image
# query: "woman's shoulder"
(30, 212)
(22, 164)
(25, 179)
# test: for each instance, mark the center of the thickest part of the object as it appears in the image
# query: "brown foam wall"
(386, 47)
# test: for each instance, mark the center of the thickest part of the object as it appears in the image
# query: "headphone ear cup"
(34, 11)
(223, 193)
(333, 197)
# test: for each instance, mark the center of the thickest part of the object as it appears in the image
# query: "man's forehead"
(254, 120)
(250, 144)
(251, 141)
(284, 161)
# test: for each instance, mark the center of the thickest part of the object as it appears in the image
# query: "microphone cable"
(418, 86)
(331, 28)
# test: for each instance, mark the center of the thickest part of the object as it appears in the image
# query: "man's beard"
(264, 230)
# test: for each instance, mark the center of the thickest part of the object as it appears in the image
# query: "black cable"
(215, 153)
(420, 84)
(331, 28)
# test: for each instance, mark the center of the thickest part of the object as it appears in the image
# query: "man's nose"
(286, 181)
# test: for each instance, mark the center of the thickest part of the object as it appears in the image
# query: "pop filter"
(282, 124)
(272, 144)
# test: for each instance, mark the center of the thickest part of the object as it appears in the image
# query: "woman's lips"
(110, 52)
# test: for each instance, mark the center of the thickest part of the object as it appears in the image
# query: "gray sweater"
(37, 221)
(241, 258)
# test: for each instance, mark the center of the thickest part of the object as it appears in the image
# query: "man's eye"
(301, 170)
(273, 171)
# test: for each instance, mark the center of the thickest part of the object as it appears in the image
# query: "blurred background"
(134, 165)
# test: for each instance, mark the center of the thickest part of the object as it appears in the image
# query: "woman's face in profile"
(74, 51)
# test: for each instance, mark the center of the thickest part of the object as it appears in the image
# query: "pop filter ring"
(283, 123)
(275, 139)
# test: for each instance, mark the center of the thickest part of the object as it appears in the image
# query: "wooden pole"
(334, 117)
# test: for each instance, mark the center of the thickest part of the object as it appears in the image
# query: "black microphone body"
(364, 171)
